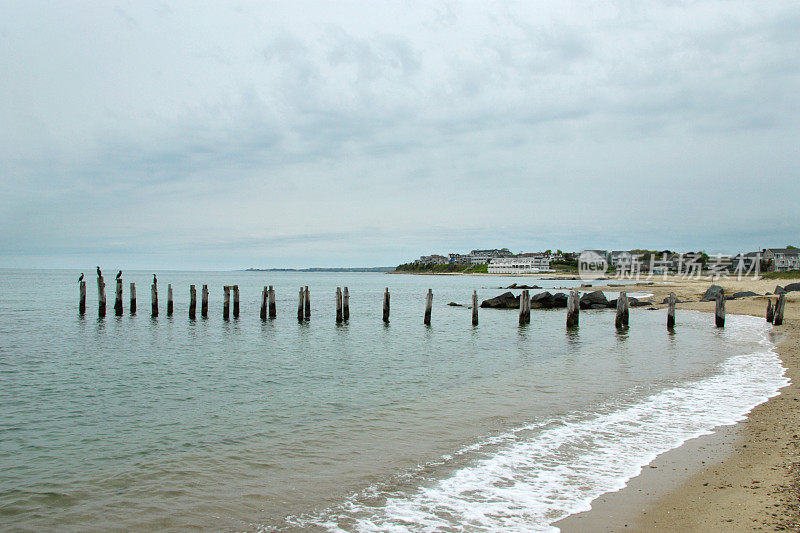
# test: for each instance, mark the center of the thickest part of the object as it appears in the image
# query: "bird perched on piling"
(99, 274)
(154, 279)
(80, 278)
(119, 274)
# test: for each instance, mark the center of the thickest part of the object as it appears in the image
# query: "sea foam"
(536, 475)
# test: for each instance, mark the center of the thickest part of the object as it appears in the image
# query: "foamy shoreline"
(526, 484)
(737, 479)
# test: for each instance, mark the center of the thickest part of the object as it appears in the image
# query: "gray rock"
(542, 300)
(507, 300)
(453, 304)
(594, 297)
(743, 294)
(635, 302)
(711, 294)
(559, 300)
(792, 287)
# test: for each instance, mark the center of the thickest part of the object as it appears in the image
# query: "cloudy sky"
(236, 134)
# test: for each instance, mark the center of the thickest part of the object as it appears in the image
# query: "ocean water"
(134, 423)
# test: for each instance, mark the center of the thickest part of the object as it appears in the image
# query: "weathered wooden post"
(671, 311)
(118, 298)
(779, 307)
(719, 313)
(264, 303)
(308, 303)
(573, 309)
(192, 302)
(133, 298)
(273, 312)
(204, 302)
(300, 301)
(226, 302)
(524, 314)
(770, 311)
(620, 310)
(235, 301)
(386, 306)
(101, 297)
(339, 316)
(428, 306)
(527, 306)
(169, 299)
(82, 298)
(154, 300)
(474, 308)
(346, 305)
(626, 312)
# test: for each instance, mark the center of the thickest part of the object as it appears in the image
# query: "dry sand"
(742, 478)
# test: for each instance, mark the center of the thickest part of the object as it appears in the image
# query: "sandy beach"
(741, 478)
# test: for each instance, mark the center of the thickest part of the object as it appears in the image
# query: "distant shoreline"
(322, 269)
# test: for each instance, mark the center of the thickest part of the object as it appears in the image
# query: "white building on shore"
(529, 264)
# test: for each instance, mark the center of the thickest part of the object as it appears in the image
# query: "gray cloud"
(392, 129)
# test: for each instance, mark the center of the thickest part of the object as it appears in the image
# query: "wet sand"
(741, 478)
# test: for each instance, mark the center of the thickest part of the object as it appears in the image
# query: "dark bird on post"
(154, 279)
(80, 278)
(119, 274)
(99, 274)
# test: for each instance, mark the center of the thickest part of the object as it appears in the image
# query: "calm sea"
(133, 423)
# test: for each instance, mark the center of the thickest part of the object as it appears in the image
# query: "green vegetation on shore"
(448, 268)
(786, 274)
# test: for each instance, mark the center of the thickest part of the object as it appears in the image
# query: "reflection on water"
(154, 423)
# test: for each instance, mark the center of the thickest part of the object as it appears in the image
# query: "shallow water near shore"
(140, 423)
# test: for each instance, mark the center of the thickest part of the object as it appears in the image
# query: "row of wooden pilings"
(269, 308)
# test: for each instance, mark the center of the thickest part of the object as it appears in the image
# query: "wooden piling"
(527, 306)
(133, 298)
(386, 306)
(779, 307)
(272, 309)
(770, 311)
(82, 298)
(204, 302)
(192, 302)
(118, 298)
(428, 307)
(573, 309)
(524, 308)
(626, 312)
(339, 315)
(346, 305)
(474, 308)
(671, 311)
(308, 303)
(226, 302)
(620, 310)
(719, 312)
(169, 299)
(154, 300)
(264, 299)
(101, 297)
(300, 302)
(235, 301)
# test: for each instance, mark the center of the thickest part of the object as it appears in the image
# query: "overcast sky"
(285, 134)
